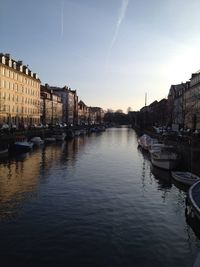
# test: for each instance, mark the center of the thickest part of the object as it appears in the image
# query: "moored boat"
(23, 146)
(187, 178)
(165, 159)
(37, 141)
(155, 147)
(145, 141)
(193, 207)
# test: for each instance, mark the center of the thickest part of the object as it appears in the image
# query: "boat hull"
(23, 146)
(164, 163)
(194, 201)
(185, 177)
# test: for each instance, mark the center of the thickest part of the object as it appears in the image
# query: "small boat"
(145, 141)
(23, 146)
(37, 141)
(155, 147)
(165, 159)
(193, 203)
(187, 178)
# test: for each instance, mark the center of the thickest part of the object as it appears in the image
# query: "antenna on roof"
(145, 99)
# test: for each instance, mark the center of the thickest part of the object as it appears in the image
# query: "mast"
(145, 99)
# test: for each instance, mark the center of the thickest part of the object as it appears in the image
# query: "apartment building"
(19, 93)
(51, 107)
(192, 102)
(70, 103)
(96, 115)
(83, 113)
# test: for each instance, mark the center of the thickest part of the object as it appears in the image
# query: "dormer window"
(3, 60)
(10, 63)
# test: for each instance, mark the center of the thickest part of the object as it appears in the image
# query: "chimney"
(8, 56)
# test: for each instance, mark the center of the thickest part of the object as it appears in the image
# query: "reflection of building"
(51, 107)
(70, 103)
(20, 178)
(19, 92)
(17, 180)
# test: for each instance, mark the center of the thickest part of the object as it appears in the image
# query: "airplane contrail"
(122, 13)
(62, 23)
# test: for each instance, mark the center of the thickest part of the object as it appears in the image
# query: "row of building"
(25, 101)
(181, 109)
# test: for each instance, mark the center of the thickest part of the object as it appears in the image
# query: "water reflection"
(20, 174)
(92, 201)
(162, 176)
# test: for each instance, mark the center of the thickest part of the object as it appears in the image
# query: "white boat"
(187, 178)
(37, 141)
(145, 141)
(165, 159)
(155, 147)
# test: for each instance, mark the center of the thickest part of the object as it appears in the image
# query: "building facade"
(192, 103)
(83, 113)
(70, 103)
(51, 107)
(96, 115)
(19, 93)
(177, 103)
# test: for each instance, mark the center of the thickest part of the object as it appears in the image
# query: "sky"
(111, 51)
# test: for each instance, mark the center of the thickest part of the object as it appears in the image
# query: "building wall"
(70, 103)
(192, 100)
(51, 107)
(19, 93)
(82, 113)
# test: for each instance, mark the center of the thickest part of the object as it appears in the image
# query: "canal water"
(92, 201)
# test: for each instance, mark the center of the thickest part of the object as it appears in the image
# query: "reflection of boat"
(194, 199)
(187, 178)
(164, 159)
(37, 141)
(3, 152)
(193, 222)
(77, 133)
(50, 139)
(163, 176)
